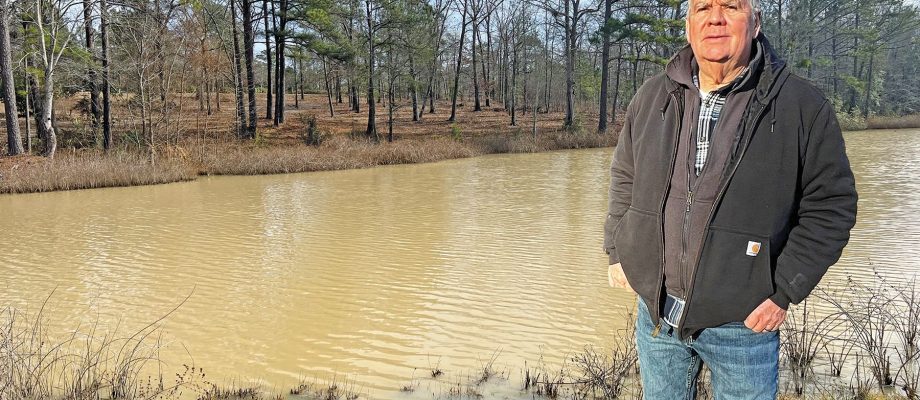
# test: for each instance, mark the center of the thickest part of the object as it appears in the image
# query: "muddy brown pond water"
(377, 275)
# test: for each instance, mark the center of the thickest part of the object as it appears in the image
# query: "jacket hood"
(767, 73)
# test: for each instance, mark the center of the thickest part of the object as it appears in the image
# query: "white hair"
(755, 9)
(755, 5)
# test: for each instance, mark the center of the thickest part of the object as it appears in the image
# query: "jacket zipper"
(682, 266)
(749, 133)
(678, 96)
(684, 233)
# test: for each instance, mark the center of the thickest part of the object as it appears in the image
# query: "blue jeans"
(743, 364)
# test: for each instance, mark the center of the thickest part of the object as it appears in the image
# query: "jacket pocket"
(733, 277)
(637, 239)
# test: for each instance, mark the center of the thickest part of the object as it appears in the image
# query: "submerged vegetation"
(855, 342)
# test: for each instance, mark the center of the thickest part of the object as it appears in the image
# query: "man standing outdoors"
(731, 195)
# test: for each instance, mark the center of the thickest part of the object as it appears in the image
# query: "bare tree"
(238, 74)
(373, 24)
(54, 24)
(463, 4)
(268, 62)
(280, 64)
(249, 39)
(440, 21)
(569, 18)
(106, 76)
(14, 142)
(605, 65)
(91, 85)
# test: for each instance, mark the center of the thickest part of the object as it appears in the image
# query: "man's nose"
(716, 15)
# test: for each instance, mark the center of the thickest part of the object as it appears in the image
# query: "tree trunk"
(297, 74)
(328, 89)
(605, 68)
(413, 89)
(371, 130)
(477, 106)
(616, 87)
(390, 107)
(50, 138)
(506, 71)
(280, 38)
(338, 86)
(268, 62)
(36, 106)
(852, 102)
(779, 31)
(106, 76)
(199, 92)
(14, 141)
(352, 78)
(533, 116)
(355, 101)
(91, 86)
(868, 87)
(569, 66)
(249, 41)
(512, 96)
(547, 67)
(490, 88)
(453, 100)
(28, 104)
(421, 112)
(208, 88)
(238, 74)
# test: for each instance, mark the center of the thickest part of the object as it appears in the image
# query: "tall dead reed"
(857, 340)
(87, 170)
(907, 121)
(86, 364)
(335, 153)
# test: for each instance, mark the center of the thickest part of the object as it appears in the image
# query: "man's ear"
(756, 24)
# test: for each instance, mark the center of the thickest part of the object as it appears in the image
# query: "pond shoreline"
(90, 169)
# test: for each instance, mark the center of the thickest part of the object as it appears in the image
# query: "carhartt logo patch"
(753, 248)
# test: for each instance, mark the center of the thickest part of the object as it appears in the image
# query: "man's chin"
(714, 57)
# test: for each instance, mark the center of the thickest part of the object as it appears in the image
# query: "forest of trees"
(574, 57)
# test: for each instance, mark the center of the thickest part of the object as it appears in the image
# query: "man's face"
(720, 31)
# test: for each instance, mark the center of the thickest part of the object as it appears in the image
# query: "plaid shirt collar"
(711, 104)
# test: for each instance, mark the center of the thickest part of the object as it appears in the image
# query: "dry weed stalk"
(83, 365)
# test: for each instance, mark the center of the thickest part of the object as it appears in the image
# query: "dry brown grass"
(340, 152)
(85, 170)
(907, 121)
(335, 154)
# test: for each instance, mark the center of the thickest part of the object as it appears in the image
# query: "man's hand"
(616, 278)
(766, 317)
